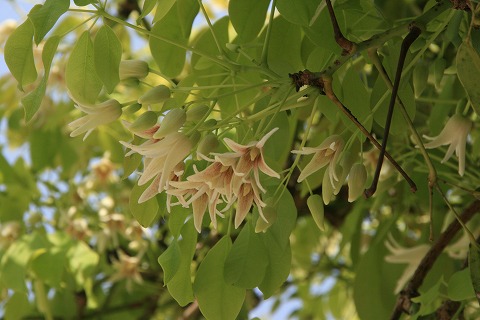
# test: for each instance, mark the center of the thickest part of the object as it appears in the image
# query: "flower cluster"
(340, 166)
(231, 178)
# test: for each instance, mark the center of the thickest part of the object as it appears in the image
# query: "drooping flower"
(96, 115)
(250, 158)
(327, 153)
(400, 255)
(126, 268)
(159, 158)
(455, 135)
(247, 195)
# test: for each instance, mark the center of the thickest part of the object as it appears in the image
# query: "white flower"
(411, 256)
(96, 115)
(250, 158)
(327, 152)
(454, 134)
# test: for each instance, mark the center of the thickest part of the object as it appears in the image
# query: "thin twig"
(406, 43)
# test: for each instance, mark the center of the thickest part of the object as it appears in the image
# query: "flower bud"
(356, 181)
(137, 69)
(155, 95)
(315, 205)
(131, 109)
(143, 122)
(208, 144)
(197, 113)
(210, 123)
(172, 121)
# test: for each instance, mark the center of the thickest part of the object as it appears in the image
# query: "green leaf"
(247, 261)
(165, 36)
(32, 101)
(148, 6)
(381, 96)
(298, 11)
(169, 260)
(460, 286)
(17, 307)
(278, 268)
(286, 217)
(145, 212)
(281, 58)
(107, 53)
(180, 286)
(44, 147)
(82, 3)
(187, 10)
(468, 69)
(13, 265)
(428, 299)
(176, 220)
(356, 98)
(45, 17)
(474, 266)
(216, 298)
(248, 17)
(48, 265)
(163, 7)
(82, 261)
(80, 73)
(19, 54)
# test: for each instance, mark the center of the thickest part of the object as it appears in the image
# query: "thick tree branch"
(411, 290)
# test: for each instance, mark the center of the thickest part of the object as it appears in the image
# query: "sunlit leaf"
(19, 54)
(145, 212)
(32, 101)
(80, 73)
(45, 17)
(107, 53)
(248, 17)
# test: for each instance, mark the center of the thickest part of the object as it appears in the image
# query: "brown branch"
(411, 290)
(406, 43)
(347, 45)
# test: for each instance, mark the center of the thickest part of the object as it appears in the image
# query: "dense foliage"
(181, 161)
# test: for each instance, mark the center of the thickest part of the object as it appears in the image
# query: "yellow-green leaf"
(32, 101)
(19, 54)
(45, 17)
(468, 69)
(80, 73)
(145, 212)
(107, 53)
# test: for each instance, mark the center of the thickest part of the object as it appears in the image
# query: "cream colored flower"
(247, 195)
(327, 153)
(410, 256)
(455, 135)
(357, 179)
(96, 115)
(137, 69)
(250, 158)
(159, 158)
(127, 268)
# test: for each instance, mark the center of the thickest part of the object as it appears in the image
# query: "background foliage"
(77, 240)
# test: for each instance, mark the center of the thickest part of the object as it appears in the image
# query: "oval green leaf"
(145, 212)
(80, 73)
(19, 54)
(45, 17)
(315, 205)
(248, 17)
(247, 261)
(217, 299)
(107, 54)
